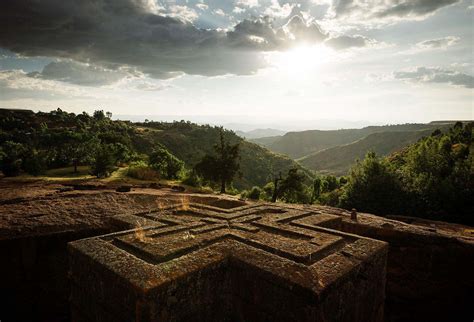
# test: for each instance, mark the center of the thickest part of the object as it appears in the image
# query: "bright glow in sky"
(275, 62)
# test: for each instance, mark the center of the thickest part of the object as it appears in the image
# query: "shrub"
(11, 158)
(192, 179)
(167, 165)
(34, 163)
(254, 193)
(141, 171)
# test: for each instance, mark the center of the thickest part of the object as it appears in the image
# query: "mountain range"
(335, 151)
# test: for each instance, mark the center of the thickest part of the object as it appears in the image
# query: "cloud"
(80, 73)
(184, 13)
(104, 37)
(436, 75)
(387, 11)
(15, 84)
(247, 3)
(346, 42)
(439, 43)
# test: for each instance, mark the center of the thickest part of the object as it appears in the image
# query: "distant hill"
(260, 133)
(266, 141)
(300, 144)
(190, 142)
(338, 160)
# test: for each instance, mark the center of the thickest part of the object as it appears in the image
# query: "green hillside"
(338, 160)
(62, 138)
(300, 144)
(190, 142)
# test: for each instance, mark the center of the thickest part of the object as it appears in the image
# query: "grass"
(83, 173)
(68, 172)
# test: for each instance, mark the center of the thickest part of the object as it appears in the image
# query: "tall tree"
(223, 165)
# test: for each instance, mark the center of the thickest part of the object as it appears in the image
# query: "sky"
(265, 62)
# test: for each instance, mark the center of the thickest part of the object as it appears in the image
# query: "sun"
(301, 58)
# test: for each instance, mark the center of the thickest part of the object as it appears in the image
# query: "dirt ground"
(40, 207)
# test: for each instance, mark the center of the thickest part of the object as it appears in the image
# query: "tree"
(103, 164)
(329, 183)
(276, 187)
(12, 158)
(79, 147)
(373, 187)
(34, 162)
(108, 114)
(316, 189)
(223, 165)
(165, 163)
(99, 115)
(293, 188)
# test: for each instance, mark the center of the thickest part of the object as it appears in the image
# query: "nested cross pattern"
(176, 231)
(258, 262)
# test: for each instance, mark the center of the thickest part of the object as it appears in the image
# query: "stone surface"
(429, 266)
(195, 262)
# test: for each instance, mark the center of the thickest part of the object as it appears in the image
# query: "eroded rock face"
(196, 262)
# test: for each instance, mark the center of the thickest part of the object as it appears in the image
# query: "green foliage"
(141, 171)
(165, 163)
(292, 188)
(12, 158)
(192, 179)
(71, 140)
(255, 193)
(268, 191)
(222, 166)
(104, 163)
(317, 187)
(99, 115)
(433, 179)
(34, 162)
(373, 187)
(190, 143)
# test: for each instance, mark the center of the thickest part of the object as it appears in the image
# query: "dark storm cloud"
(110, 35)
(436, 75)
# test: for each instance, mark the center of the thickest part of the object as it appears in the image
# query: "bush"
(11, 158)
(141, 171)
(254, 193)
(34, 163)
(373, 187)
(244, 194)
(192, 179)
(165, 163)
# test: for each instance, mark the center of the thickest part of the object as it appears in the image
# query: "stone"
(257, 262)
(354, 214)
(178, 188)
(125, 188)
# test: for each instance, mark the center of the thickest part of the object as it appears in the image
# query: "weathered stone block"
(248, 263)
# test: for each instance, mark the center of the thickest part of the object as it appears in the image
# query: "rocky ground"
(42, 207)
(429, 266)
